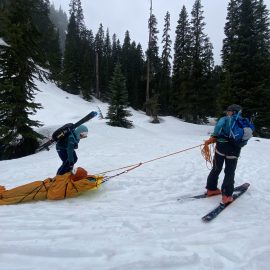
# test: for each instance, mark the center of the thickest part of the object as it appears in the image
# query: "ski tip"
(245, 186)
(206, 219)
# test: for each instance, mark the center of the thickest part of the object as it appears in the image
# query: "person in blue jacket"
(227, 152)
(66, 149)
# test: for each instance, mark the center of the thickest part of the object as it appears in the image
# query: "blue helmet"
(82, 129)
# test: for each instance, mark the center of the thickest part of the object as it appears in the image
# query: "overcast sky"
(132, 15)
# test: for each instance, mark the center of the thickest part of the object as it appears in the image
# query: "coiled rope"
(207, 151)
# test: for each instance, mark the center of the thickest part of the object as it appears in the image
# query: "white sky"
(122, 15)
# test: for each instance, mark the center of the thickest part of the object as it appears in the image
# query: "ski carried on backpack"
(204, 195)
(215, 212)
(64, 131)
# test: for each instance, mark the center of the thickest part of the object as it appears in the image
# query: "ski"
(215, 212)
(202, 196)
(46, 145)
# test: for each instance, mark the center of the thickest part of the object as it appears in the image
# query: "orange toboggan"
(60, 187)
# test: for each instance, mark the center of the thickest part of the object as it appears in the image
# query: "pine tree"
(99, 49)
(87, 69)
(71, 66)
(182, 63)
(165, 74)
(107, 65)
(136, 84)
(118, 112)
(76, 9)
(116, 50)
(202, 66)
(246, 59)
(18, 71)
(154, 64)
(262, 108)
(60, 20)
(73, 57)
(49, 41)
(128, 66)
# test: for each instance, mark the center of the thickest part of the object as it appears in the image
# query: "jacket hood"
(80, 129)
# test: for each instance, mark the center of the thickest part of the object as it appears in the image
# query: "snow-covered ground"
(134, 221)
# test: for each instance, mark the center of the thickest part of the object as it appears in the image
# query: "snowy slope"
(134, 221)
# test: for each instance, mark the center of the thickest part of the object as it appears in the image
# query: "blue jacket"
(71, 142)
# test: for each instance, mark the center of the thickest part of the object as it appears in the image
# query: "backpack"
(63, 132)
(241, 131)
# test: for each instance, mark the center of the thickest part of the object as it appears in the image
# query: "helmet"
(81, 130)
(234, 108)
(79, 173)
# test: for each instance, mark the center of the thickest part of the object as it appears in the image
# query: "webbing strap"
(228, 157)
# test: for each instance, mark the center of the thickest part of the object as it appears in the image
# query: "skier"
(226, 152)
(66, 149)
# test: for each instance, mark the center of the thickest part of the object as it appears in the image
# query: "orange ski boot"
(210, 193)
(226, 199)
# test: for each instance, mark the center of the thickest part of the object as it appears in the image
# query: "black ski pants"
(228, 153)
(66, 166)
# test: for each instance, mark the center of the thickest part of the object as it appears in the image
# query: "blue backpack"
(241, 131)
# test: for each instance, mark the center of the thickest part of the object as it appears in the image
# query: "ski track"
(134, 221)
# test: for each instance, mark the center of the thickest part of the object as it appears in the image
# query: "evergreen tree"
(165, 76)
(140, 64)
(152, 55)
(154, 65)
(87, 69)
(118, 112)
(55, 58)
(127, 66)
(202, 66)
(60, 20)
(116, 50)
(135, 77)
(17, 73)
(182, 63)
(262, 108)
(99, 49)
(76, 9)
(230, 30)
(107, 65)
(49, 41)
(246, 61)
(71, 66)
(72, 80)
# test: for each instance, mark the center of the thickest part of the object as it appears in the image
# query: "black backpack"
(63, 132)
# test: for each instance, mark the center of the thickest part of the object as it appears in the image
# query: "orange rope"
(151, 160)
(208, 152)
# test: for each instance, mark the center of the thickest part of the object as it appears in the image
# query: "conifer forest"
(177, 78)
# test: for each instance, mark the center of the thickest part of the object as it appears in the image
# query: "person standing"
(226, 152)
(66, 149)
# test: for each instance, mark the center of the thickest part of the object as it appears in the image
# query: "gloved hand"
(210, 140)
